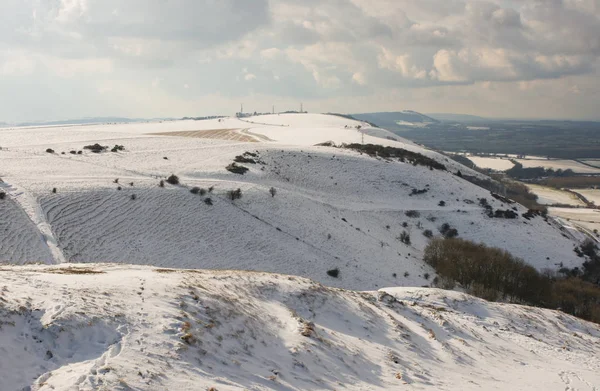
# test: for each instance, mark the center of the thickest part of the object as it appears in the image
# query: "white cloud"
(359, 79)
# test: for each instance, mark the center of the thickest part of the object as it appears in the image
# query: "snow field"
(91, 327)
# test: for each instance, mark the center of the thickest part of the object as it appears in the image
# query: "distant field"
(550, 196)
(588, 218)
(504, 163)
(559, 164)
(499, 164)
(595, 163)
(592, 195)
(556, 139)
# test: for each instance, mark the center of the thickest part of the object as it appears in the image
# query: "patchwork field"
(498, 164)
(592, 195)
(559, 165)
(551, 196)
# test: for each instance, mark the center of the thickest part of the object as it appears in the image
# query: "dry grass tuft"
(73, 270)
(188, 338)
(308, 330)
(165, 270)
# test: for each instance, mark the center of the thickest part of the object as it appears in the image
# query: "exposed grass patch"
(73, 270)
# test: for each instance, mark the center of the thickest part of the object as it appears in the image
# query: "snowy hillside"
(100, 327)
(333, 208)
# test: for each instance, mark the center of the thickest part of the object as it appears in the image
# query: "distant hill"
(448, 117)
(397, 120)
(82, 121)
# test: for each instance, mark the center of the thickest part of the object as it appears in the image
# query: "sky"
(64, 59)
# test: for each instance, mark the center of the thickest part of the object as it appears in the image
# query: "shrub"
(119, 188)
(404, 237)
(428, 233)
(444, 228)
(161, 183)
(210, 189)
(399, 153)
(50, 150)
(404, 224)
(208, 201)
(234, 168)
(492, 273)
(442, 203)
(54, 190)
(133, 196)
(117, 148)
(80, 152)
(116, 180)
(272, 191)
(234, 194)
(195, 190)
(451, 233)
(73, 152)
(494, 269)
(173, 179)
(406, 274)
(2, 195)
(503, 214)
(426, 276)
(412, 214)
(444, 283)
(333, 272)
(417, 192)
(202, 192)
(96, 148)
(244, 159)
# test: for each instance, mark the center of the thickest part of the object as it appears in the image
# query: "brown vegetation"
(494, 274)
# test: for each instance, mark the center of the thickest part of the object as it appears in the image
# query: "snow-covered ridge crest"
(95, 326)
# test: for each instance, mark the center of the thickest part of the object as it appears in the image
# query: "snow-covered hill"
(334, 208)
(103, 324)
(101, 327)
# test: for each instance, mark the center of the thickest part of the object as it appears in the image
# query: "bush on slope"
(494, 274)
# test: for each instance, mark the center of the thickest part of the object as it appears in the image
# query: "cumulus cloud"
(327, 50)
